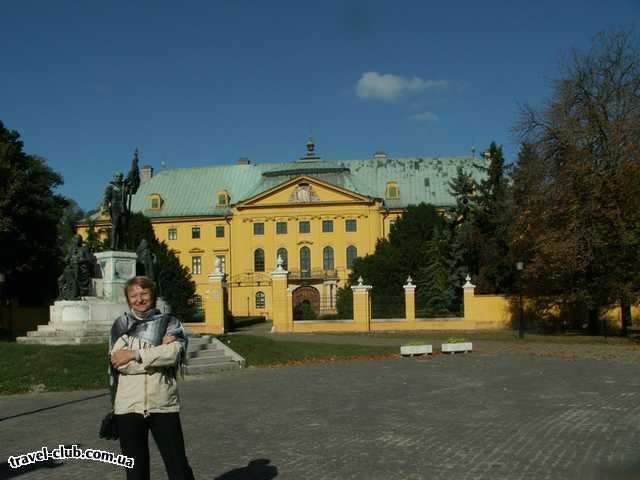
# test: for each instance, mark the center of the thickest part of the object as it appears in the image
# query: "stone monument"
(90, 301)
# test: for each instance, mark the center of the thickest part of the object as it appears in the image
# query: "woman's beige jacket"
(148, 386)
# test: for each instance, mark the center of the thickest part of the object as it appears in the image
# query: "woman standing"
(147, 349)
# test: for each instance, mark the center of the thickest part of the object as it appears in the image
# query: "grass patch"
(261, 351)
(28, 368)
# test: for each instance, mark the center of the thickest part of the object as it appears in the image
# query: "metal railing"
(313, 274)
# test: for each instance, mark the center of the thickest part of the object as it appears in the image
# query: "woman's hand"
(168, 339)
(122, 357)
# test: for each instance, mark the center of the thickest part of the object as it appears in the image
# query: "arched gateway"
(309, 295)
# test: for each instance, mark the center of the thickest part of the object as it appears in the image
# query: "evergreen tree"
(462, 188)
(435, 293)
(480, 230)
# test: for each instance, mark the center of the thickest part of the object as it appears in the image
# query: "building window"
(304, 226)
(196, 265)
(327, 226)
(219, 231)
(195, 232)
(222, 198)
(173, 234)
(392, 191)
(281, 228)
(260, 301)
(258, 260)
(305, 262)
(327, 259)
(197, 303)
(352, 253)
(282, 252)
(258, 228)
(223, 260)
(351, 225)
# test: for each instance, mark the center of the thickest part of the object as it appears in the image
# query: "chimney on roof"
(380, 155)
(243, 161)
(146, 173)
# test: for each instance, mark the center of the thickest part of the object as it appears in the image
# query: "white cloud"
(389, 87)
(425, 117)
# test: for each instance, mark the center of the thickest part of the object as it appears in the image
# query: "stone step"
(59, 340)
(211, 368)
(97, 325)
(207, 360)
(204, 354)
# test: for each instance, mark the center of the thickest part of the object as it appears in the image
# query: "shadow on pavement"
(256, 470)
(7, 472)
(37, 410)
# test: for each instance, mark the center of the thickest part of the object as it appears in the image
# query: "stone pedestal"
(87, 320)
(117, 268)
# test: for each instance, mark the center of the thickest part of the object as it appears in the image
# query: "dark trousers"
(133, 429)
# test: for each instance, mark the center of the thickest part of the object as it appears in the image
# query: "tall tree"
(585, 244)
(29, 215)
(479, 228)
(435, 293)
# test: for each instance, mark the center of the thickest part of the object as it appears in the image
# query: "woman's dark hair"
(143, 282)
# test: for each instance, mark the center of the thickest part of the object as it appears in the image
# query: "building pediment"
(303, 190)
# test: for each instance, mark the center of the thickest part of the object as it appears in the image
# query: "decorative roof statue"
(117, 201)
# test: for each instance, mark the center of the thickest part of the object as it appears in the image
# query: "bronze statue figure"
(117, 201)
(146, 263)
(75, 281)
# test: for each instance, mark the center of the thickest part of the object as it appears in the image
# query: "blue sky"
(204, 83)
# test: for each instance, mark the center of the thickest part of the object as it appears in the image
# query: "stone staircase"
(69, 333)
(207, 354)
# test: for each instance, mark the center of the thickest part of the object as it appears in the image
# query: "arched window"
(327, 258)
(260, 302)
(282, 252)
(258, 260)
(352, 253)
(392, 191)
(305, 262)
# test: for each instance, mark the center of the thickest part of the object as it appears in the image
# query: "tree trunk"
(595, 327)
(625, 308)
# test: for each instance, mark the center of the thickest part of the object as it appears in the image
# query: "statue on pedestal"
(75, 281)
(117, 201)
(146, 263)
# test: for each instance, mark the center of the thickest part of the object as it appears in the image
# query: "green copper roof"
(192, 191)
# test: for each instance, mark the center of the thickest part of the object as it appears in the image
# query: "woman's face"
(140, 299)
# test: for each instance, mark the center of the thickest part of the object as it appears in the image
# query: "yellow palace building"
(317, 215)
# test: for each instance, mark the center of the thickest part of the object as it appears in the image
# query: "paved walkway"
(463, 417)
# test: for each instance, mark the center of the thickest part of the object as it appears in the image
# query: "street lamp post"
(520, 268)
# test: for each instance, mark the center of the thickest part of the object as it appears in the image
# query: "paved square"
(462, 417)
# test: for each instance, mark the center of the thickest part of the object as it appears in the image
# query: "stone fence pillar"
(469, 295)
(410, 301)
(214, 304)
(361, 306)
(280, 299)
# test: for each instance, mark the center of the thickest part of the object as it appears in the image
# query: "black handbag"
(109, 427)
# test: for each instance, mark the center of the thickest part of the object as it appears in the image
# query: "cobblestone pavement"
(463, 417)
